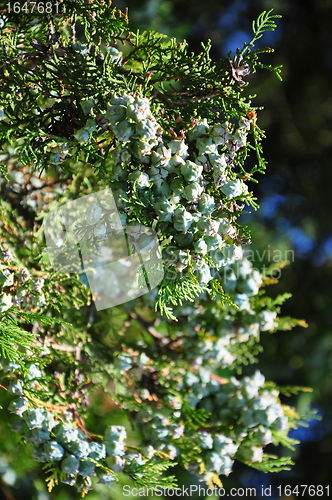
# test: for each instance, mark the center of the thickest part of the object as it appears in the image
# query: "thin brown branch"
(146, 325)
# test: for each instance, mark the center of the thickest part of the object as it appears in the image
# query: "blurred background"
(294, 195)
(295, 214)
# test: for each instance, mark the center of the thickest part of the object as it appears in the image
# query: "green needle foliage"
(87, 105)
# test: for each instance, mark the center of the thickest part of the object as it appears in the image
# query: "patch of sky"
(269, 186)
(302, 243)
(327, 246)
(236, 39)
(245, 217)
(270, 38)
(229, 20)
(271, 183)
(314, 432)
(324, 253)
(229, 15)
(270, 205)
(256, 479)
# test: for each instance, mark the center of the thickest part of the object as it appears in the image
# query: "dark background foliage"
(295, 193)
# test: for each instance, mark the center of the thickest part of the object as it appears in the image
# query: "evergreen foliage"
(87, 105)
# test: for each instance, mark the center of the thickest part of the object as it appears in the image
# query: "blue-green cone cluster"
(173, 178)
(18, 287)
(58, 439)
(211, 333)
(248, 412)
